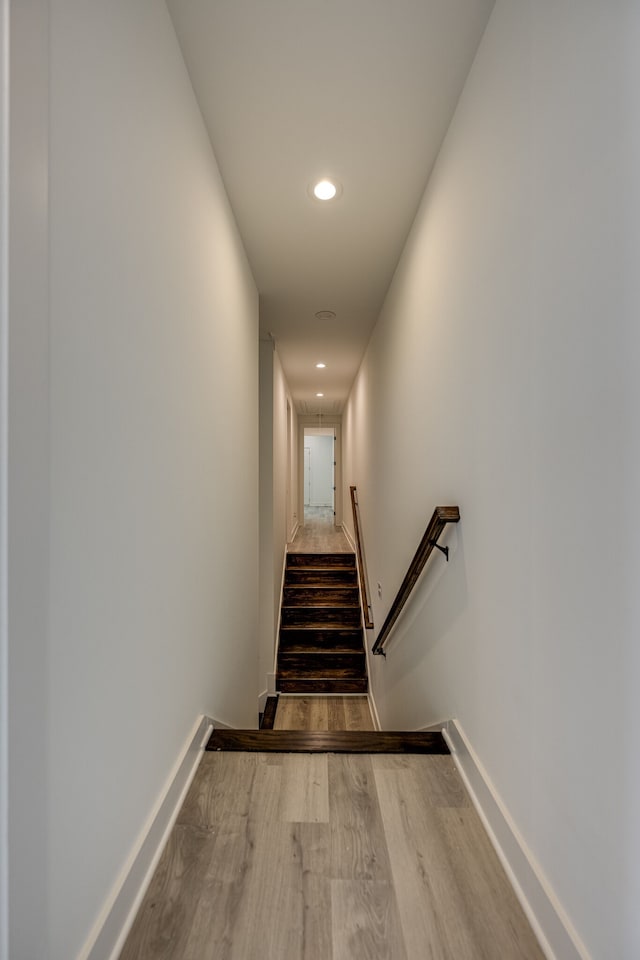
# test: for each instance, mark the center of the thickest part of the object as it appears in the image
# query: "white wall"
(267, 610)
(284, 457)
(278, 497)
(4, 461)
(25, 658)
(503, 376)
(141, 388)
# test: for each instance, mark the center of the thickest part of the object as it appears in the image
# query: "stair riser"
(320, 596)
(347, 577)
(321, 616)
(344, 560)
(350, 665)
(324, 639)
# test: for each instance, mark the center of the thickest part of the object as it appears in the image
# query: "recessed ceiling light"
(320, 366)
(325, 315)
(325, 190)
(319, 394)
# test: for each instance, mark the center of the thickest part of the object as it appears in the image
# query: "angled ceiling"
(361, 91)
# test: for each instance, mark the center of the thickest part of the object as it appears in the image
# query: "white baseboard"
(373, 710)
(551, 925)
(107, 938)
(262, 701)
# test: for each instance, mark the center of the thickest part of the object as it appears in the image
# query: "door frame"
(335, 422)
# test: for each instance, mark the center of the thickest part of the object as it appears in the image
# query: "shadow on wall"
(438, 600)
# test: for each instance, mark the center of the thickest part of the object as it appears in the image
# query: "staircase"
(321, 636)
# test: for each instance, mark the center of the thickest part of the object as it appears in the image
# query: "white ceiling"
(296, 90)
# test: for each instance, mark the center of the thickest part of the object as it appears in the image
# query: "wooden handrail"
(441, 517)
(364, 586)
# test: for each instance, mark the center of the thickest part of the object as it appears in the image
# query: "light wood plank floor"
(318, 534)
(322, 713)
(328, 857)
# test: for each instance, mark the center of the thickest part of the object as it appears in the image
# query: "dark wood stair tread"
(321, 652)
(323, 741)
(319, 673)
(322, 609)
(354, 605)
(310, 626)
(320, 589)
(302, 622)
(307, 685)
(322, 660)
(329, 630)
(319, 600)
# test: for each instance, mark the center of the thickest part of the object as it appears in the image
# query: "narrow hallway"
(328, 857)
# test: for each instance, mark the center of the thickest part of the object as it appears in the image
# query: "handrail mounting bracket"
(444, 550)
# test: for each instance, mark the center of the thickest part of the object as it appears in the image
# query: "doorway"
(319, 474)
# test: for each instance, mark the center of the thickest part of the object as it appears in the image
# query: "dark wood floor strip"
(327, 741)
(269, 715)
